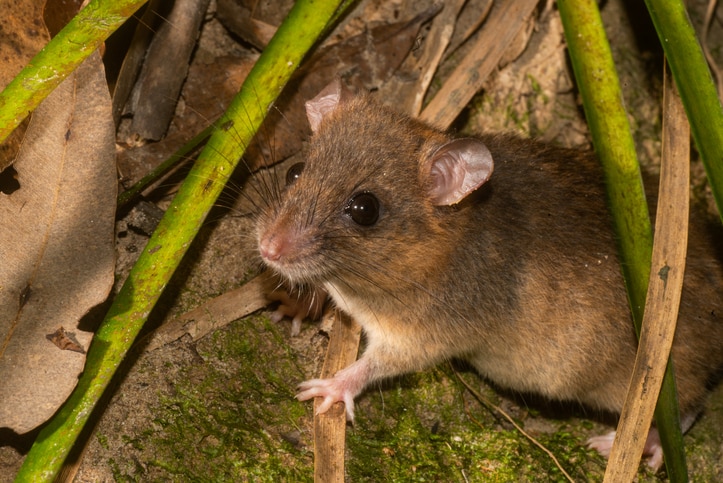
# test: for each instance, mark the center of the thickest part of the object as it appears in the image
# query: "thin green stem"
(602, 99)
(179, 156)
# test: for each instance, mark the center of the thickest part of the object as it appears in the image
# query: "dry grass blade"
(211, 315)
(461, 37)
(330, 427)
(153, 100)
(417, 72)
(663, 299)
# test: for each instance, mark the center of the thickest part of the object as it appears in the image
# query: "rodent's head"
(368, 206)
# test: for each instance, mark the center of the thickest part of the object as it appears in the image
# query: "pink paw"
(603, 444)
(331, 390)
(298, 306)
(344, 386)
(653, 450)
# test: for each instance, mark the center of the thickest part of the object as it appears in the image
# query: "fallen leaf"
(255, 25)
(21, 37)
(56, 245)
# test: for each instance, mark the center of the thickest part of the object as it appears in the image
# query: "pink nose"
(271, 248)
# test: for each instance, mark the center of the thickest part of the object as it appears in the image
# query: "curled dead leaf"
(65, 341)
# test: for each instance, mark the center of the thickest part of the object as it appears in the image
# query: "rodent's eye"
(293, 173)
(363, 208)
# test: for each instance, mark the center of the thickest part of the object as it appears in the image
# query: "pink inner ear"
(325, 102)
(457, 169)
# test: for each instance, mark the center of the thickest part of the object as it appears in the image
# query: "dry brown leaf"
(409, 85)
(57, 14)
(56, 245)
(500, 30)
(133, 60)
(21, 37)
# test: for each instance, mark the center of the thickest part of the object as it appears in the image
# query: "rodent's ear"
(325, 102)
(458, 168)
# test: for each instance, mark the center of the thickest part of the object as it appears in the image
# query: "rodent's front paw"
(332, 390)
(344, 386)
(298, 306)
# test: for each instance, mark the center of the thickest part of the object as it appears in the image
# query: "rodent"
(496, 250)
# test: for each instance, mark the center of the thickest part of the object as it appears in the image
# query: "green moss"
(428, 427)
(537, 88)
(231, 417)
(425, 427)
(704, 442)
(102, 440)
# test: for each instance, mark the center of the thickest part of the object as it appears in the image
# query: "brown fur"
(521, 278)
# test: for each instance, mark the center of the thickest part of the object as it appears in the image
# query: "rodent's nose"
(271, 247)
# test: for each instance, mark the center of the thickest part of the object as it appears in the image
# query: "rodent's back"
(568, 331)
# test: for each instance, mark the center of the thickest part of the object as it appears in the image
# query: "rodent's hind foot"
(653, 450)
(603, 444)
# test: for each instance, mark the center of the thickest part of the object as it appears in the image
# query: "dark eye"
(363, 208)
(293, 173)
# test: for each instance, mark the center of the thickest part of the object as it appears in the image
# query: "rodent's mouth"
(296, 274)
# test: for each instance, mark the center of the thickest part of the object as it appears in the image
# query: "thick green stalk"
(168, 244)
(603, 102)
(695, 84)
(602, 98)
(73, 44)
